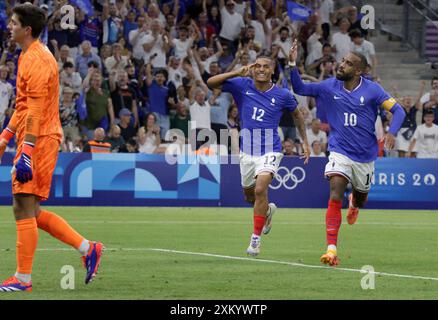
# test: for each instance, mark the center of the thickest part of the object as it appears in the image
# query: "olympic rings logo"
(289, 179)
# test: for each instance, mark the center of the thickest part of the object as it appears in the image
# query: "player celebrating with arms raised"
(352, 104)
(260, 105)
(38, 132)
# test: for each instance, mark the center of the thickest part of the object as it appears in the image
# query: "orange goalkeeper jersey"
(37, 103)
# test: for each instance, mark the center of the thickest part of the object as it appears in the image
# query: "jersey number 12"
(350, 119)
(258, 114)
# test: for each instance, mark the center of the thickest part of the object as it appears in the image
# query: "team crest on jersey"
(362, 101)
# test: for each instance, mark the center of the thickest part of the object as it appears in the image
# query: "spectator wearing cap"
(158, 93)
(69, 115)
(100, 111)
(86, 57)
(123, 96)
(127, 130)
(98, 143)
(70, 78)
(116, 61)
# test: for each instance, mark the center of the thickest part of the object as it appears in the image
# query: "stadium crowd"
(133, 71)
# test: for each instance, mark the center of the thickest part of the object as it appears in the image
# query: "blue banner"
(150, 180)
(84, 5)
(298, 12)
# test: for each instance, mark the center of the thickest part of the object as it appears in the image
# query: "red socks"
(333, 221)
(259, 222)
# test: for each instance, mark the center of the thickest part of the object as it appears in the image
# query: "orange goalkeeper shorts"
(44, 157)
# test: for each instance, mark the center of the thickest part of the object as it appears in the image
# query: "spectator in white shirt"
(116, 62)
(200, 114)
(183, 43)
(156, 44)
(68, 77)
(284, 41)
(232, 22)
(360, 45)
(317, 149)
(6, 93)
(326, 10)
(426, 137)
(316, 134)
(137, 38)
(341, 41)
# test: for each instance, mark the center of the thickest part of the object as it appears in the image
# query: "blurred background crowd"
(133, 73)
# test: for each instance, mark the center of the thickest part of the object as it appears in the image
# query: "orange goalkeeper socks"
(27, 239)
(58, 228)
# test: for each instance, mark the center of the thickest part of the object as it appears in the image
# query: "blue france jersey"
(260, 114)
(351, 115)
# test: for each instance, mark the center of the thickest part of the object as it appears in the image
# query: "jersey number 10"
(350, 119)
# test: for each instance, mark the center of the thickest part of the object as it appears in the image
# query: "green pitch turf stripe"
(293, 264)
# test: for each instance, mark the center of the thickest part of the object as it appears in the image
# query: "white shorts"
(251, 166)
(358, 174)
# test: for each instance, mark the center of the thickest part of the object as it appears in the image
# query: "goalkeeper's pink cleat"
(91, 261)
(12, 284)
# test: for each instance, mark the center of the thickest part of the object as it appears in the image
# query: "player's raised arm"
(299, 123)
(301, 88)
(398, 116)
(216, 81)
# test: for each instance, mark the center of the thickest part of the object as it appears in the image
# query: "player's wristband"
(7, 134)
(292, 64)
(28, 148)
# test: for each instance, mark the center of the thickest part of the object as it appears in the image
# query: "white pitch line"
(294, 264)
(212, 255)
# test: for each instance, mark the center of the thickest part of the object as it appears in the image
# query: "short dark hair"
(363, 60)
(162, 71)
(284, 29)
(67, 64)
(355, 33)
(93, 64)
(433, 79)
(428, 112)
(31, 16)
(325, 45)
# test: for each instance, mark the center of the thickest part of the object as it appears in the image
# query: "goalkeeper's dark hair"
(363, 60)
(31, 16)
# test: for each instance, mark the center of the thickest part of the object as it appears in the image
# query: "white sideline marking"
(293, 264)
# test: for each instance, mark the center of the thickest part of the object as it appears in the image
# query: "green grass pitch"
(397, 243)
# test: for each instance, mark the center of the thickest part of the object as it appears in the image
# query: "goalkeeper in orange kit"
(38, 132)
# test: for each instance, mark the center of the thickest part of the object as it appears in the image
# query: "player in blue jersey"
(351, 103)
(260, 104)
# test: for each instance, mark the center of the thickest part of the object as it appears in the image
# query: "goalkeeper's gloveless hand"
(23, 167)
